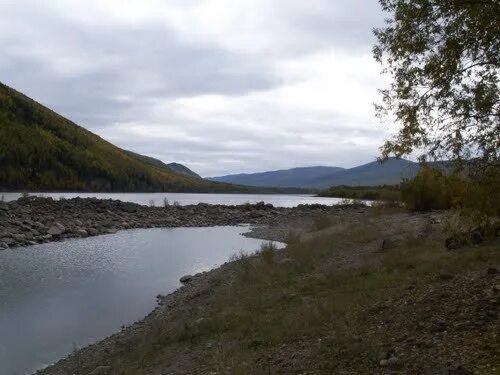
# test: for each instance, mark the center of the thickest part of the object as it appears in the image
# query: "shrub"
(166, 203)
(429, 190)
(267, 252)
(475, 197)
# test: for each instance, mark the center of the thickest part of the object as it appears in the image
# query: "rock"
(435, 220)
(383, 355)
(492, 271)
(129, 207)
(476, 236)
(445, 276)
(438, 326)
(200, 321)
(356, 338)
(3, 246)
(92, 232)
(81, 232)
(8, 240)
(57, 229)
(386, 243)
(186, 279)
(19, 237)
(256, 214)
(255, 343)
(101, 370)
(383, 362)
(393, 361)
(458, 370)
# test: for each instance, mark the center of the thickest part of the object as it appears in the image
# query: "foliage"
(383, 192)
(427, 191)
(474, 195)
(443, 58)
(267, 252)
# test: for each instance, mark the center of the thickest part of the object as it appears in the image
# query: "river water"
(58, 296)
(277, 200)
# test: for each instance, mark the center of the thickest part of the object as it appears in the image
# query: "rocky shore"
(33, 220)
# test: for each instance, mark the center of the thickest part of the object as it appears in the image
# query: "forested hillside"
(41, 150)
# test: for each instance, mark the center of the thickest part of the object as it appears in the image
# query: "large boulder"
(186, 279)
(57, 229)
(19, 237)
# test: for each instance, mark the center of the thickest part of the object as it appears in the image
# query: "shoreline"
(167, 304)
(35, 220)
(390, 274)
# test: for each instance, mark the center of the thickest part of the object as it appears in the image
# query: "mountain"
(41, 150)
(295, 177)
(180, 168)
(176, 167)
(388, 173)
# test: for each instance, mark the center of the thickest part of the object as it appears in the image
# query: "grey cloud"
(110, 75)
(140, 63)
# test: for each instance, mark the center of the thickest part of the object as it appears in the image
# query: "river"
(157, 199)
(58, 296)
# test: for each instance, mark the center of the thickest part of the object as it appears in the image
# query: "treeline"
(383, 192)
(473, 188)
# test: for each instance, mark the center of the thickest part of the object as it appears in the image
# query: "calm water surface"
(58, 296)
(277, 200)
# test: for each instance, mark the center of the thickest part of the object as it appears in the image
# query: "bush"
(429, 190)
(475, 196)
(267, 251)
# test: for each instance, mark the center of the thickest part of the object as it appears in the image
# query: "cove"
(58, 296)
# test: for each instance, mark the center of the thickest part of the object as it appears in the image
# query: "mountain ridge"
(176, 167)
(389, 172)
(279, 178)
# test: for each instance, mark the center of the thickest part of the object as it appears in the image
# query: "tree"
(443, 58)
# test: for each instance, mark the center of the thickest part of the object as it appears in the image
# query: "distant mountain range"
(389, 172)
(41, 150)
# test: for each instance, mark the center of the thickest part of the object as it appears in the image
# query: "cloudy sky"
(222, 86)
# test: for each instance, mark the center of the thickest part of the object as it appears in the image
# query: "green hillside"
(41, 150)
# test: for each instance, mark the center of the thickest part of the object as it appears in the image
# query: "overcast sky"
(222, 86)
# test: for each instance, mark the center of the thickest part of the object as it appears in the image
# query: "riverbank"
(354, 292)
(33, 220)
